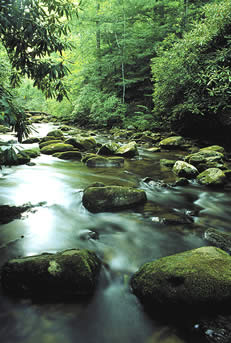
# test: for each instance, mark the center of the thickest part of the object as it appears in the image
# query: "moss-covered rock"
(128, 150)
(32, 153)
(69, 155)
(100, 161)
(197, 279)
(174, 142)
(212, 177)
(184, 169)
(48, 142)
(68, 273)
(112, 198)
(55, 133)
(56, 147)
(83, 143)
(217, 148)
(108, 149)
(31, 140)
(167, 163)
(219, 239)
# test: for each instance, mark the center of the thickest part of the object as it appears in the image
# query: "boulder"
(51, 138)
(217, 148)
(32, 153)
(82, 143)
(111, 198)
(56, 147)
(199, 279)
(31, 140)
(205, 157)
(100, 161)
(69, 155)
(219, 239)
(184, 169)
(212, 177)
(108, 149)
(167, 163)
(128, 150)
(48, 142)
(64, 274)
(174, 142)
(55, 133)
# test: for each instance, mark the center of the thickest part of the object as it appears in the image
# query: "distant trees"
(31, 31)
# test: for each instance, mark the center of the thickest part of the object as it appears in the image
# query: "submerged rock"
(212, 177)
(111, 198)
(184, 169)
(100, 161)
(196, 280)
(68, 273)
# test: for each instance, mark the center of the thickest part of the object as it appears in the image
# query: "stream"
(124, 241)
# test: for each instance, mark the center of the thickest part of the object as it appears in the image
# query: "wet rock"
(69, 155)
(185, 169)
(32, 153)
(181, 182)
(219, 239)
(109, 149)
(112, 198)
(167, 163)
(9, 213)
(198, 279)
(205, 159)
(31, 140)
(65, 274)
(214, 148)
(55, 133)
(128, 150)
(175, 142)
(21, 159)
(154, 149)
(51, 138)
(100, 161)
(56, 147)
(214, 330)
(212, 177)
(83, 143)
(48, 142)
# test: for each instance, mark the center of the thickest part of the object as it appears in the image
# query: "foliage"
(31, 31)
(198, 78)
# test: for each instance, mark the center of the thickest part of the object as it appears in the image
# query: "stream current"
(124, 241)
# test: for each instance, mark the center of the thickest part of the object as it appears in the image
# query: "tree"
(31, 31)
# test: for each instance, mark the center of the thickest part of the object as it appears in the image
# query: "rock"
(32, 153)
(55, 133)
(21, 159)
(108, 149)
(198, 279)
(82, 143)
(68, 273)
(175, 142)
(167, 163)
(51, 138)
(181, 182)
(69, 155)
(205, 159)
(219, 239)
(31, 140)
(65, 128)
(212, 177)
(57, 147)
(154, 149)
(100, 161)
(217, 148)
(9, 213)
(184, 169)
(48, 142)
(128, 150)
(111, 198)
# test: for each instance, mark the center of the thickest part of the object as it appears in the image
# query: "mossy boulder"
(82, 143)
(128, 150)
(167, 163)
(199, 279)
(32, 153)
(217, 148)
(31, 140)
(56, 147)
(52, 141)
(108, 149)
(174, 142)
(212, 177)
(100, 161)
(205, 157)
(69, 155)
(51, 138)
(184, 169)
(112, 198)
(55, 133)
(68, 273)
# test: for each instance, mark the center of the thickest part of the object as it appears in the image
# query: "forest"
(147, 64)
(115, 171)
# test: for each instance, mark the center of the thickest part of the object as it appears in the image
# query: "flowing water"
(124, 241)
